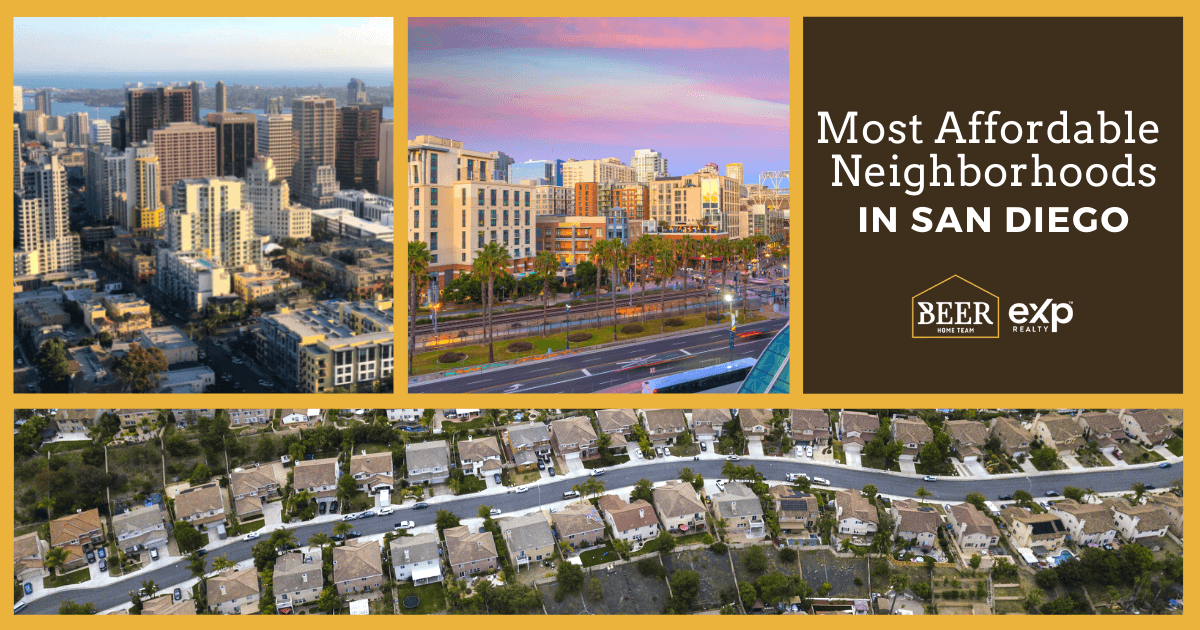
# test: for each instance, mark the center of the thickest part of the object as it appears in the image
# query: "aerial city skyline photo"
(598, 203)
(182, 219)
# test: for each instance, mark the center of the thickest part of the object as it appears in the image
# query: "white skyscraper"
(101, 133)
(649, 164)
(44, 241)
(275, 142)
(106, 175)
(386, 151)
(267, 194)
(76, 128)
(18, 99)
(207, 215)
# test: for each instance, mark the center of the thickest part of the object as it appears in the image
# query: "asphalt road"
(946, 489)
(610, 367)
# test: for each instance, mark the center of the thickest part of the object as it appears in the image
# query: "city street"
(592, 371)
(775, 469)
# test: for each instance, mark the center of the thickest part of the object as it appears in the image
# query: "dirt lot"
(773, 563)
(822, 566)
(142, 466)
(715, 575)
(626, 592)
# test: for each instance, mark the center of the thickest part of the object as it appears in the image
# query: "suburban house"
(166, 605)
(632, 522)
(755, 421)
(709, 423)
(1148, 426)
(405, 417)
(916, 522)
(1014, 438)
(1103, 428)
(80, 528)
(358, 569)
(428, 462)
(966, 438)
(468, 553)
(141, 528)
(297, 580)
(1143, 523)
(529, 539)
(1059, 432)
(528, 442)
(301, 418)
(417, 558)
(251, 486)
(913, 433)
(616, 421)
(1173, 507)
(131, 417)
(373, 472)
(574, 435)
(810, 427)
(234, 592)
(75, 559)
(1088, 523)
(741, 509)
(973, 530)
(77, 421)
(856, 429)
(1028, 530)
(680, 509)
(855, 514)
(479, 456)
(29, 555)
(579, 525)
(244, 417)
(796, 509)
(318, 477)
(185, 417)
(664, 425)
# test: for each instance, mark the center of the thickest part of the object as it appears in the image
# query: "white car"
(521, 489)
(386, 511)
(639, 454)
(251, 536)
(721, 485)
(733, 458)
(406, 525)
(799, 451)
(349, 517)
(495, 512)
(808, 450)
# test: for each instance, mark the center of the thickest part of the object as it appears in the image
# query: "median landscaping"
(532, 346)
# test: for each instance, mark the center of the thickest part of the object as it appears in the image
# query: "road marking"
(685, 352)
(586, 372)
(512, 388)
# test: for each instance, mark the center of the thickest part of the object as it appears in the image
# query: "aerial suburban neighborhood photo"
(598, 511)
(617, 221)
(212, 217)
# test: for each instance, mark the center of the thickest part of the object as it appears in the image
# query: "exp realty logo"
(956, 308)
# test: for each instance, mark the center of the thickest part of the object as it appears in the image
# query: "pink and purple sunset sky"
(699, 90)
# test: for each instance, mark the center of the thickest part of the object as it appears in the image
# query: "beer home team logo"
(955, 308)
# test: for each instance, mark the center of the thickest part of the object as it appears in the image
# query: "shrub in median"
(713, 317)
(630, 329)
(520, 346)
(452, 357)
(674, 321)
(579, 336)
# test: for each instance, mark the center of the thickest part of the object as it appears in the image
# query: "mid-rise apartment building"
(334, 344)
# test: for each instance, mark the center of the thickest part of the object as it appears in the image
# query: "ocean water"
(104, 113)
(337, 77)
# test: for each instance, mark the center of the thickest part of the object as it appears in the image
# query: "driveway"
(1119, 463)
(1162, 449)
(908, 466)
(1028, 467)
(853, 459)
(1071, 462)
(574, 463)
(975, 468)
(272, 515)
(756, 447)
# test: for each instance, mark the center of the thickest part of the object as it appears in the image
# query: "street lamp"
(568, 326)
(732, 323)
(435, 306)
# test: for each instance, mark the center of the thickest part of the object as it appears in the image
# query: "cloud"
(582, 32)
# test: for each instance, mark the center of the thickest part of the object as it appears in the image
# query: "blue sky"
(200, 43)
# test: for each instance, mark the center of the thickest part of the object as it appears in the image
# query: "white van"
(820, 481)
(796, 476)
(571, 494)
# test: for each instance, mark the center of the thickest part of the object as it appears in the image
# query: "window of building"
(493, 197)
(433, 196)
(506, 237)
(506, 216)
(433, 168)
(481, 196)
(433, 218)
(464, 241)
(526, 216)
(505, 198)
(416, 196)
(480, 218)
(464, 196)
(416, 219)
(433, 241)
(493, 218)
(526, 201)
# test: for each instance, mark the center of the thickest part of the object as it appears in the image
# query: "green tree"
(595, 590)
(106, 340)
(685, 586)
(221, 563)
(342, 528)
(138, 369)
(545, 265)
(187, 537)
(197, 565)
(643, 490)
(1034, 598)
(665, 542)
(870, 490)
(492, 260)
(55, 558)
(419, 259)
(664, 270)
(51, 362)
(570, 579)
(922, 493)
(1139, 490)
(329, 601)
(69, 607)
(755, 560)
(978, 500)
(446, 520)
(748, 593)
(1044, 458)
(1023, 497)
(976, 560)
(1073, 493)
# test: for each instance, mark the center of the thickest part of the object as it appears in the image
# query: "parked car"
(720, 485)
(385, 511)
(551, 471)
(571, 494)
(353, 534)
(367, 514)
(809, 450)
(541, 465)
(1051, 493)
(495, 512)
(101, 553)
(704, 446)
(91, 556)
(333, 507)
(420, 506)
(201, 552)
(103, 567)
(732, 458)
(251, 536)
(496, 478)
(658, 450)
(28, 588)
(1151, 487)
(1165, 465)
(349, 517)
(597, 472)
(154, 552)
(1005, 497)
(820, 481)
(338, 537)
(405, 525)
(639, 454)
(321, 507)
(521, 489)
(796, 476)
(929, 478)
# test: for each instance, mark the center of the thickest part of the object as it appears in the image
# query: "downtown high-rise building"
(106, 176)
(649, 165)
(43, 102)
(18, 99)
(219, 106)
(387, 149)
(237, 136)
(195, 87)
(100, 133)
(147, 109)
(357, 159)
(185, 150)
(143, 189)
(314, 134)
(356, 92)
(76, 128)
(18, 164)
(274, 214)
(208, 215)
(604, 170)
(275, 141)
(44, 242)
(273, 105)
(549, 170)
(501, 162)
(735, 170)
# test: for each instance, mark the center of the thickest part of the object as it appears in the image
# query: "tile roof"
(794, 504)
(611, 420)
(628, 516)
(573, 430)
(750, 418)
(815, 420)
(664, 419)
(854, 505)
(372, 464)
(251, 480)
(528, 434)
(1102, 422)
(138, 520)
(27, 553)
(577, 518)
(677, 498)
(357, 559)
(976, 522)
(1096, 517)
(912, 431)
(970, 432)
(238, 583)
(463, 545)
(70, 527)
(916, 518)
(1154, 424)
(523, 533)
(858, 422)
(198, 500)
(1064, 430)
(1151, 517)
(166, 605)
(315, 473)
(737, 501)
(1010, 432)
(478, 449)
(708, 421)
(419, 548)
(426, 455)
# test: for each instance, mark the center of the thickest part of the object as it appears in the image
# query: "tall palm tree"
(341, 529)
(600, 258)
(664, 268)
(644, 250)
(747, 248)
(319, 539)
(545, 265)
(724, 249)
(492, 261)
(686, 247)
(706, 254)
(418, 266)
(922, 493)
(614, 254)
